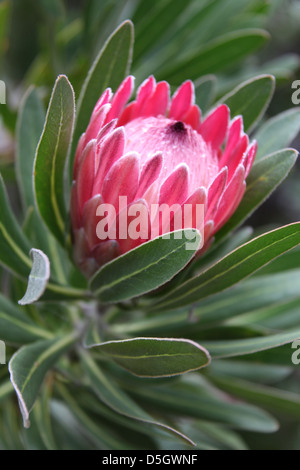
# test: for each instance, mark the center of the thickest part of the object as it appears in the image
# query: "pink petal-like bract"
(156, 151)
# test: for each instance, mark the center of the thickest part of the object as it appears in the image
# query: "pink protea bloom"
(155, 150)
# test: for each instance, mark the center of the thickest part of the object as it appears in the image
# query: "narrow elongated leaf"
(29, 128)
(250, 99)
(54, 8)
(156, 357)
(109, 69)
(117, 399)
(100, 435)
(146, 267)
(42, 239)
(218, 55)
(41, 416)
(264, 178)
(29, 365)
(205, 91)
(153, 25)
(16, 327)
(51, 157)
(219, 349)
(189, 400)
(275, 400)
(38, 278)
(253, 301)
(6, 389)
(251, 371)
(234, 267)
(277, 132)
(14, 246)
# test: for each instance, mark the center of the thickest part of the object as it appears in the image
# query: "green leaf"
(205, 91)
(42, 239)
(152, 26)
(54, 8)
(156, 357)
(115, 398)
(38, 278)
(146, 267)
(109, 69)
(29, 365)
(264, 178)
(13, 244)
(29, 128)
(234, 267)
(230, 348)
(42, 419)
(6, 389)
(247, 370)
(275, 400)
(101, 435)
(252, 301)
(250, 99)
(191, 400)
(5, 12)
(16, 327)
(277, 316)
(218, 55)
(277, 132)
(51, 157)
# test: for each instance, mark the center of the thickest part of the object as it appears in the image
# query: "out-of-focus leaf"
(100, 435)
(117, 399)
(277, 132)
(246, 370)
(51, 154)
(189, 400)
(276, 400)
(146, 267)
(278, 316)
(205, 91)
(218, 435)
(264, 178)
(250, 99)
(14, 247)
(108, 70)
(253, 301)
(5, 7)
(29, 128)
(41, 416)
(236, 266)
(153, 25)
(54, 8)
(218, 55)
(6, 389)
(38, 278)
(156, 357)
(220, 349)
(29, 365)
(43, 240)
(16, 327)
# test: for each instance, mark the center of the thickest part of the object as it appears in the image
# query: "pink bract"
(155, 150)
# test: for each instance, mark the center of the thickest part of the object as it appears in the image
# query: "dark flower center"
(178, 127)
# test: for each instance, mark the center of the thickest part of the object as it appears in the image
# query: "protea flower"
(155, 150)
